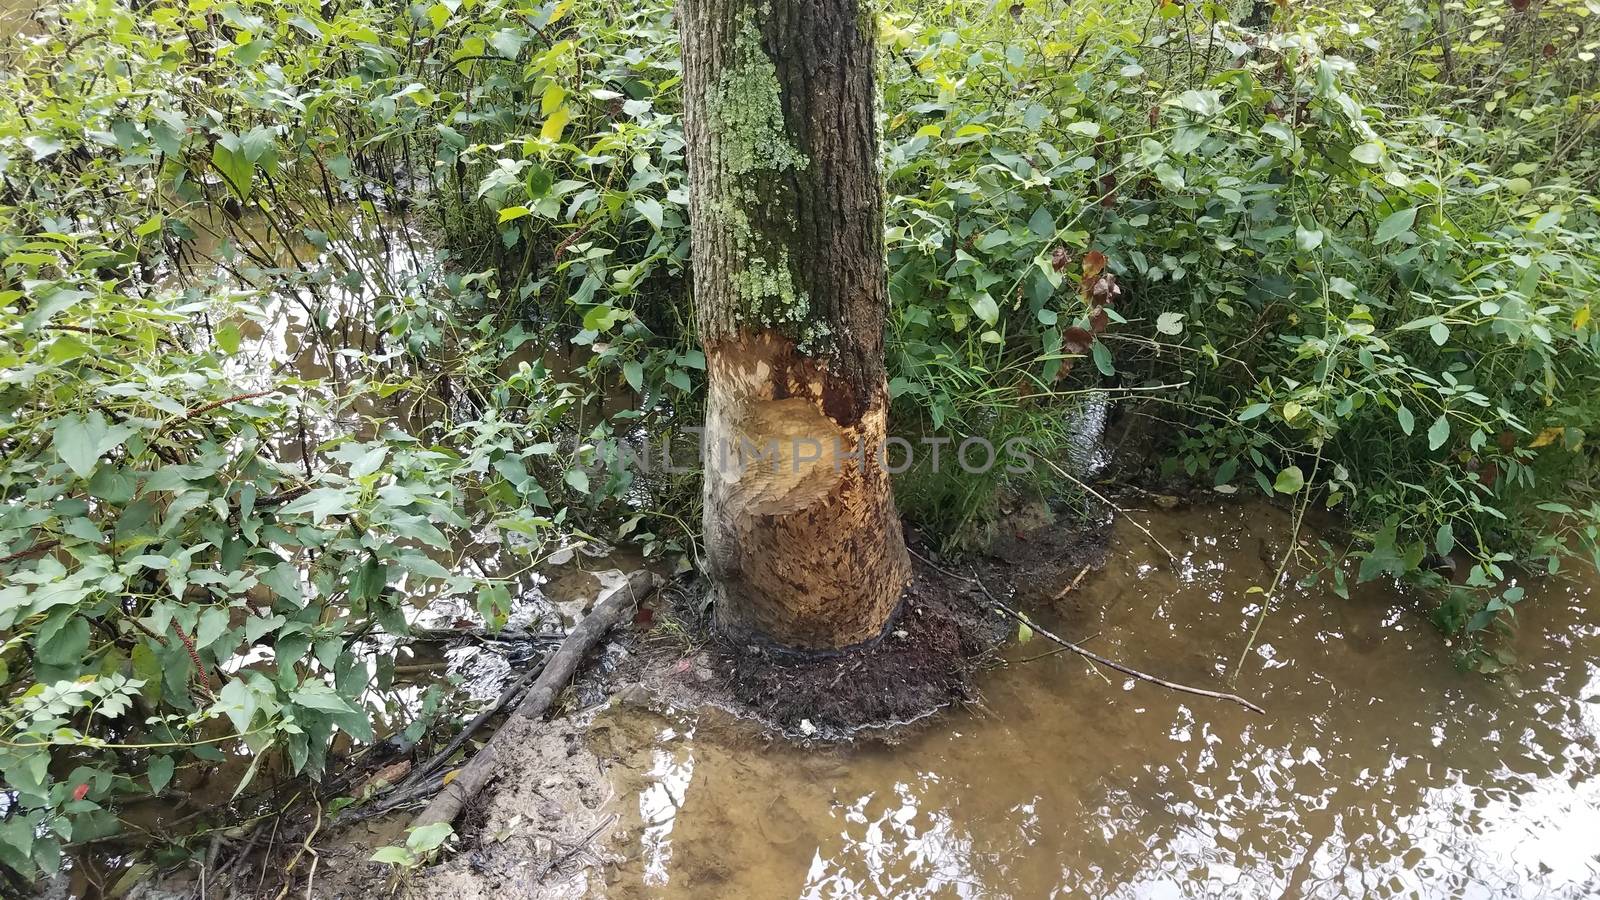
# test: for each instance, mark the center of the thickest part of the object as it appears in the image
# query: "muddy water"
(1380, 770)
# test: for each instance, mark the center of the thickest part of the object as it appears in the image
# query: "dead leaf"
(1094, 262)
(1076, 340)
(1547, 437)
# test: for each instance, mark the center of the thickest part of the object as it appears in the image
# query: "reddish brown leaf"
(80, 792)
(1060, 259)
(1076, 340)
(1094, 262)
(1107, 190)
(1103, 291)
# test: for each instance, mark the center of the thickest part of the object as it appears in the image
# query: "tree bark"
(803, 541)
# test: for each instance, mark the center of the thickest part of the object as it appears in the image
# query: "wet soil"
(929, 658)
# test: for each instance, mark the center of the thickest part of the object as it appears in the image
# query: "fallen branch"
(1124, 669)
(558, 670)
(1090, 654)
(506, 696)
(1073, 586)
(1171, 557)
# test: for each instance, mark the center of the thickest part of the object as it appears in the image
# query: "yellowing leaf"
(451, 775)
(550, 100)
(556, 124)
(1547, 437)
(1580, 318)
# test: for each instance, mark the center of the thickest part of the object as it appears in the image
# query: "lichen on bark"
(755, 151)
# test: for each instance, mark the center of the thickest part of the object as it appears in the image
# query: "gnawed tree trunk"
(803, 543)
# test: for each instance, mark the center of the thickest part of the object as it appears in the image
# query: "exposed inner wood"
(804, 544)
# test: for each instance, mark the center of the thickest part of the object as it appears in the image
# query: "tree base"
(924, 661)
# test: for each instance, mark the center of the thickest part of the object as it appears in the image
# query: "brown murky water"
(1380, 770)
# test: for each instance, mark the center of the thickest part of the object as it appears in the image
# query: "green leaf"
(1289, 481)
(394, 856)
(1254, 410)
(1102, 358)
(1201, 103)
(160, 772)
(62, 640)
(316, 695)
(1042, 224)
(984, 307)
(228, 338)
(1444, 540)
(1440, 333)
(604, 317)
(633, 371)
(236, 169)
(513, 213)
(1024, 633)
(41, 146)
(428, 838)
(1395, 225)
(578, 479)
(212, 626)
(1170, 323)
(650, 208)
(1438, 433)
(1367, 154)
(320, 504)
(1308, 238)
(1407, 420)
(80, 442)
(369, 462)
(556, 124)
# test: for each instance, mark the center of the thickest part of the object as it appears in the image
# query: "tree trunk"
(803, 543)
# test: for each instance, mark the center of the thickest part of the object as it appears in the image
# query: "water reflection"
(1380, 770)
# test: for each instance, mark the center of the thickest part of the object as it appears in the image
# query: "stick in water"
(558, 670)
(1090, 654)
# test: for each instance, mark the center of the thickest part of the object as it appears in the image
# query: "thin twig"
(215, 404)
(1277, 577)
(1114, 508)
(1090, 654)
(36, 550)
(1120, 667)
(576, 848)
(1056, 652)
(1073, 585)
(506, 696)
(305, 847)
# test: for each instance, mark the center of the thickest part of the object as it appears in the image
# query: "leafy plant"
(421, 844)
